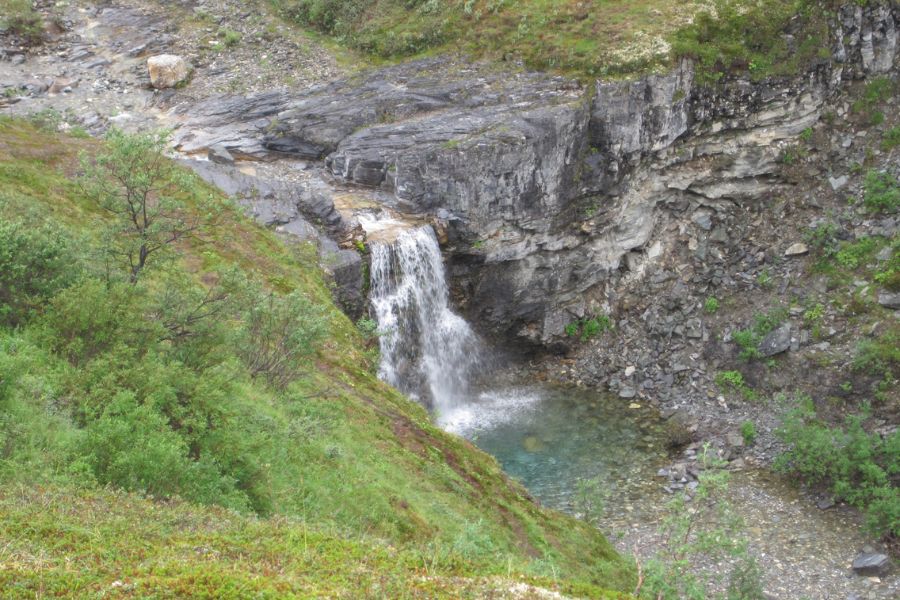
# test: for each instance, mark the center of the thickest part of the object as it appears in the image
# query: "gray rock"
(797, 249)
(627, 392)
(838, 182)
(734, 439)
(777, 341)
(871, 563)
(219, 154)
(825, 502)
(516, 157)
(889, 299)
(702, 219)
(167, 71)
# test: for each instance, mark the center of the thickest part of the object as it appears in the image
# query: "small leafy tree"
(702, 525)
(590, 500)
(132, 180)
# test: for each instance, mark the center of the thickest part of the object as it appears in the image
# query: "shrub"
(586, 329)
(734, 381)
(36, 261)
(879, 356)
(851, 256)
(91, 317)
(711, 305)
(229, 37)
(132, 446)
(891, 138)
(876, 91)
(748, 432)
(813, 317)
(20, 18)
(882, 192)
(589, 501)
(733, 35)
(279, 335)
(823, 237)
(763, 323)
(856, 466)
(705, 525)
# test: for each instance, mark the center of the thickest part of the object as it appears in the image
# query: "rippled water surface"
(550, 438)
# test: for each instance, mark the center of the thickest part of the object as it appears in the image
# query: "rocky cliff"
(553, 196)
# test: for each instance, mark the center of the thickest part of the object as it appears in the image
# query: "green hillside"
(251, 469)
(584, 38)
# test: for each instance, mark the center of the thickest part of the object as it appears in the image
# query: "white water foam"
(491, 409)
(427, 351)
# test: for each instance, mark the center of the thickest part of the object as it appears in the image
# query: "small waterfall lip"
(427, 351)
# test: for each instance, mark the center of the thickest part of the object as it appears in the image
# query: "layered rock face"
(554, 197)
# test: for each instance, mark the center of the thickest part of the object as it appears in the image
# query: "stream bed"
(552, 438)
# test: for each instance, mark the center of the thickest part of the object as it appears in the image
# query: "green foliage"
(589, 501)
(748, 432)
(738, 36)
(586, 329)
(20, 17)
(813, 317)
(368, 329)
(279, 335)
(132, 446)
(745, 581)
(196, 381)
(856, 466)
(711, 306)
(876, 92)
(882, 192)
(48, 120)
(763, 323)
(36, 261)
(87, 539)
(229, 37)
(703, 525)
(734, 381)
(142, 191)
(853, 255)
(880, 355)
(891, 138)
(764, 279)
(823, 237)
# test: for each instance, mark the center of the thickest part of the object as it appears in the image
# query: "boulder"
(777, 341)
(167, 71)
(889, 299)
(798, 249)
(871, 563)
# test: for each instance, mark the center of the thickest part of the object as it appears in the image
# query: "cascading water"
(427, 351)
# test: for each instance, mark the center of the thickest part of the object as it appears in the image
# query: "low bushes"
(857, 466)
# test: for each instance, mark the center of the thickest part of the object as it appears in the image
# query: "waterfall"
(427, 351)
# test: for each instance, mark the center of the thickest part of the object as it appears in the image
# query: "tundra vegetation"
(182, 407)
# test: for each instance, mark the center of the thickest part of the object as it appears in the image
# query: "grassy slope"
(366, 461)
(583, 38)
